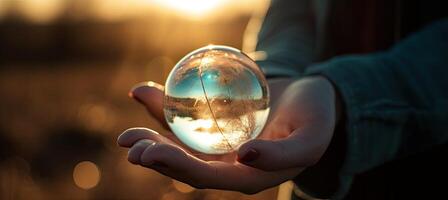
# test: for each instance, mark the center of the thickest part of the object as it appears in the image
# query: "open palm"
(296, 137)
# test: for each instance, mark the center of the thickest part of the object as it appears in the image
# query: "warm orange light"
(4, 7)
(86, 175)
(41, 11)
(182, 187)
(191, 7)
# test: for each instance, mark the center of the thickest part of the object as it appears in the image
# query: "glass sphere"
(216, 98)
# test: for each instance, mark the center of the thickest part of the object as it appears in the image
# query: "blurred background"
(66, 67)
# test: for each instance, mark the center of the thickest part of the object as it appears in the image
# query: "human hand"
(286, 137)
(300, 129)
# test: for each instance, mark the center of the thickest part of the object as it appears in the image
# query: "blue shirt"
(395, 98)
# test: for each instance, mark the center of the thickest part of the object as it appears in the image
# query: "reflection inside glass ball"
(216, 98)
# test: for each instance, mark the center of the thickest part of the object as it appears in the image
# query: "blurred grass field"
(66, 67)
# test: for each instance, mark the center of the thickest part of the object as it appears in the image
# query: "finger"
(302, 148)
(276, 87)
(151, 95)
(172, 161)
(176, 163)
(132, 135)
(137, 149)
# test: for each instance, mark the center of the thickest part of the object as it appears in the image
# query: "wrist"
(337, 99)
(322, 179)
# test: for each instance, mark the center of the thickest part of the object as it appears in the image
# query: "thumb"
(150, 95)
(300, 149)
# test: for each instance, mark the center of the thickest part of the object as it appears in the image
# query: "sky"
(190, 86)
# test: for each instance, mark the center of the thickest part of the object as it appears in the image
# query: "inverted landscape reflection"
(215, 99)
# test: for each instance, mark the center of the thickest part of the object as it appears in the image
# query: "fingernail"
(250, 156)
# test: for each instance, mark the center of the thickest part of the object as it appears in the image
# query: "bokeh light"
(96, 116)
(41, 11)
(192, 7)
(48, 11)
(4, 7)
(86, 175)
(66, 67)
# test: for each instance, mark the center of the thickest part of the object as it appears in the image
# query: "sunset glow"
(191, 7)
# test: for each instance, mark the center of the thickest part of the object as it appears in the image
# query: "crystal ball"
(216, 98)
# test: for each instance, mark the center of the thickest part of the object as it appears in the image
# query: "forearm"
(395, 102)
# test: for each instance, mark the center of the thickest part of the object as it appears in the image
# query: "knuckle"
(164, 151)
(147, 156)
(160, 147)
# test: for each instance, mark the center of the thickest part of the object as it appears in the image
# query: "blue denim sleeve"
(396, 102)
